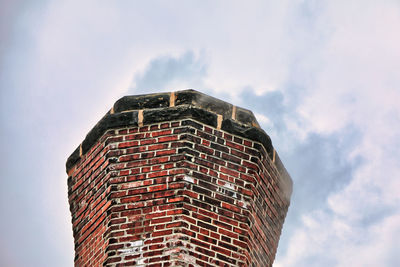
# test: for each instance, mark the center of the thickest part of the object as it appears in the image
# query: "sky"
(322, 77)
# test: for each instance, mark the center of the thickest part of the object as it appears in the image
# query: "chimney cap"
(178, 105)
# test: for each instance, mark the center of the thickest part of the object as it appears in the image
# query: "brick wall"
(177, 179)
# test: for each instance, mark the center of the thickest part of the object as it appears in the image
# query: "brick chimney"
(177, 179)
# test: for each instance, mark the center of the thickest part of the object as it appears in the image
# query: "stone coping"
(138, 110)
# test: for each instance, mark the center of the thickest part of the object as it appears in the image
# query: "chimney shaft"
(177, 179)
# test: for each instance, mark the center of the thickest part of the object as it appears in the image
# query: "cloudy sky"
(322, 77)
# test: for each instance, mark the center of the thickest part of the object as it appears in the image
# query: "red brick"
(131, 187)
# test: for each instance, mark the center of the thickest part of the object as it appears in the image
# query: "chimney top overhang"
(138, 110)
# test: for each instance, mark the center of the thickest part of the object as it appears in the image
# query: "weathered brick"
(176, 189)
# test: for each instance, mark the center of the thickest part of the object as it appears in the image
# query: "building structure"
(177, 179)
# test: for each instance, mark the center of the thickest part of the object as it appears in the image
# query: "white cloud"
(354, 85)
(335, 243)
(325, 68)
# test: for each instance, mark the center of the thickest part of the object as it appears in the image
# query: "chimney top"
(138, 110)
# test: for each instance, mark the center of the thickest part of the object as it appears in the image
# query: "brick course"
(198, 188)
